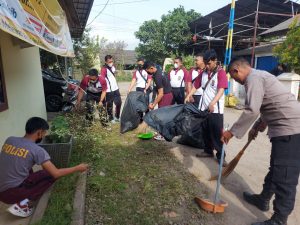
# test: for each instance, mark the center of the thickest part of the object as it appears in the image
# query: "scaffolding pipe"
(254, 35)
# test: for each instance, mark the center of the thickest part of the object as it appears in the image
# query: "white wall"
(24, 87)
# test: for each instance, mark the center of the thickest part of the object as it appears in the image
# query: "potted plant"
(59, 142)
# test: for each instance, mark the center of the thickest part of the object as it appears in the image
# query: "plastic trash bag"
(136, 103)
(171, 121)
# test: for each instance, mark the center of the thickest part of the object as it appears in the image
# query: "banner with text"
(39, 22)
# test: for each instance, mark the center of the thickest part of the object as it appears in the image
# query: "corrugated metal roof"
(281, 28)
(244, 26)
(77, 12)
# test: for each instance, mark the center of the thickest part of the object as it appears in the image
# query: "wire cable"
(99, 13)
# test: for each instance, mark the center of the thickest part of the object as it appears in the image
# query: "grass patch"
(124, 76)
(59, 208)
(130, 182)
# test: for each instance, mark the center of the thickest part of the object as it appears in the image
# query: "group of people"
(102, 89)
(203, 86)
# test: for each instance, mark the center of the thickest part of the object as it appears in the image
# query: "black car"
(53, 90)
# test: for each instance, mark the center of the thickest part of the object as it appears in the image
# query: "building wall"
(24, 87)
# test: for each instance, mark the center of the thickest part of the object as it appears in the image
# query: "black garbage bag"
(136, 103)
(171, 121)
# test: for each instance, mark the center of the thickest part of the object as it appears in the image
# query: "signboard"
(39, 22)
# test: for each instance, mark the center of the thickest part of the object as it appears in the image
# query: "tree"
(86, 51)
(116, 49)
(289, 51)
(159, 39)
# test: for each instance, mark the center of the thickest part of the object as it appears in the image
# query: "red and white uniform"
(218, 80)
(178, 78)
(94, 88)
(110, 78)
(194, 73)
(141, 77)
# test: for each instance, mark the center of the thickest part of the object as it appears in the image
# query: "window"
(3, 98)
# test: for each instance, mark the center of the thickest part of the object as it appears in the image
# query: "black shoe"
(275, 220)
(257, 201)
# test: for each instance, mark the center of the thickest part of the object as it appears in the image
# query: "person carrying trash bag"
(95, 87)
(142, 80)
(164, 89)
(213, 83)
(278, 109)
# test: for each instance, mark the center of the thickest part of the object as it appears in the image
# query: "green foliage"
(188, 61)
(86, 51)
(123, 76)
(59, 131)
(289, 51)
(168, 68)
(159, 39)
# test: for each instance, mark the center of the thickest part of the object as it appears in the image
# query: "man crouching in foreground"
(19, 185)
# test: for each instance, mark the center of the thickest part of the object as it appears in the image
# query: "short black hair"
(140, 59)
(210, 55)
(149, 64)
(36, 123)
(93, 72)
(107, 57)
(237, 61)
(179, 57)
(200, 55)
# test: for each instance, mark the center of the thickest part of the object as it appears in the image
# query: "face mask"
(176, 65)
(140, 66)
(110, 64)
(93, 81)
(151, 73)
(38, 140)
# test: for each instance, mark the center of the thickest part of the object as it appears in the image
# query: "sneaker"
(117, 120)
(21, 211)
(159, 137)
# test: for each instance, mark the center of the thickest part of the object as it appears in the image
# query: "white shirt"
(141, 78)
(177, 78)
(111, 81)
(195, 73)
(210, 92)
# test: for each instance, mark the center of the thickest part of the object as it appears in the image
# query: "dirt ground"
(248, 176)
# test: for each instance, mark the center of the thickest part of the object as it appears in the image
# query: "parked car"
(53, 90)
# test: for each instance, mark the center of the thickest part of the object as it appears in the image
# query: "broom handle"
(219, 176)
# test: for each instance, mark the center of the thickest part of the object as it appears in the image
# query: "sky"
(121, 18)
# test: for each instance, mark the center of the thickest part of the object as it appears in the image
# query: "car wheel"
(53, 103)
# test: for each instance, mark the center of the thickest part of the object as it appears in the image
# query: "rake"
(231, 166)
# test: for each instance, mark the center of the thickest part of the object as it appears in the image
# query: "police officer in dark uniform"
(280, 111)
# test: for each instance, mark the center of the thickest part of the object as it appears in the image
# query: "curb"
(78, 217)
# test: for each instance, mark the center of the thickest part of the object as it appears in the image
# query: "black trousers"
(213, 133)
(283, 175)
(113, 97)
(178, 95)
(196, 100)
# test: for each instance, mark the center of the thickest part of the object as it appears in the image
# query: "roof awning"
(40, 23)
